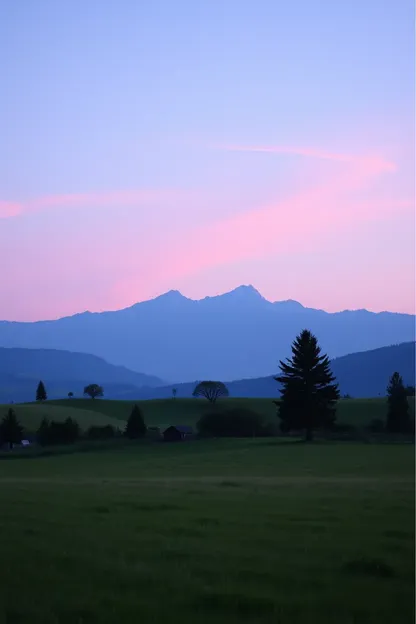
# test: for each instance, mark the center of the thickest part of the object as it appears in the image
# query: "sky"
(196, 146)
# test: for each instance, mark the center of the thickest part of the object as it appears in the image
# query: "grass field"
(358, 412)
(31, 415)
(205, 532)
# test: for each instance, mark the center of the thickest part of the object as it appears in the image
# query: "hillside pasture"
(357, 412)
(210, 532)
(30, 415)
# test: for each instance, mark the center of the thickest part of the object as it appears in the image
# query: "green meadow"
(357, 412)
(210, 531)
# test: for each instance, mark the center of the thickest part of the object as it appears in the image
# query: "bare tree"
(211, 390)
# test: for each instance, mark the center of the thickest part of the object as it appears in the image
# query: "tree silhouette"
(174, 392)
(135, 427)
(211, 390)
(70, 395)
(42, 434)
(309, 392)
(41, 392)
(11, 431)
(93, 391)
(398, 418)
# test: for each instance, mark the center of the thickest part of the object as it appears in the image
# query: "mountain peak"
(245, 292)
(289, 304)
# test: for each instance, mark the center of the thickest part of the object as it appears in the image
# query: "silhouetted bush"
(101, 433)
(237, 422)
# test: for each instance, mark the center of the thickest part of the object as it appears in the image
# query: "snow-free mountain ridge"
(237, 335)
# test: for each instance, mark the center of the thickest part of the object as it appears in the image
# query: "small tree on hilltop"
(174, 392)
(70, 395)
(135, 427)
(398, 418)
(11, 431)
(41, 392)
(309, 392)
(93, 391)
(211, 390)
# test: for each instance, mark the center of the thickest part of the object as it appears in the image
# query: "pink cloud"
(88, 200)
(376, 162)
(300, 223)
(9, 209)
(310, 219)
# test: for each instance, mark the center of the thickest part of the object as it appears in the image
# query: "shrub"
(238, 422)
(101, 433)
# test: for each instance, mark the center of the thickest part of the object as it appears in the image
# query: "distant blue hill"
(232, 336)
(364, 374)
(62, 372)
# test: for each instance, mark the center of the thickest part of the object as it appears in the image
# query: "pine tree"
(135, 427)
(309, 392)
(398, 417)
(11, 431)
(41, 392)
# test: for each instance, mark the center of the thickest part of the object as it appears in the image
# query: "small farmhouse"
(175, 433)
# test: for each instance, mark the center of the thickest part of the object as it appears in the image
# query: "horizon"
(272, 146)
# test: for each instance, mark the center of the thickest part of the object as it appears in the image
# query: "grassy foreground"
(357, 412)
(210, 532)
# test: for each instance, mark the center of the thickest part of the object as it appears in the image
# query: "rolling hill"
(236, 335)
(31, 415)
(360, 375)
(62, 372)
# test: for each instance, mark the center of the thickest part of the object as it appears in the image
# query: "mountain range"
(236, 335)
(359, 374)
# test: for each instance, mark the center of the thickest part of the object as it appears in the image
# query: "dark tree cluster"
(398, 417)
(11, 431)
(101, 433)
(238, 422)
(52, 432)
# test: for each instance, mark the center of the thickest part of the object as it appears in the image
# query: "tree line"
(68, 431)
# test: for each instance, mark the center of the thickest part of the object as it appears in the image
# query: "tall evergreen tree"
(309, 392)
(11, 431)
(135, 427)
(41, 392)
(398, 417)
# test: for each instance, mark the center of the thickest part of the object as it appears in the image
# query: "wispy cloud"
(376, 162)
(88, 200)
(296, 224)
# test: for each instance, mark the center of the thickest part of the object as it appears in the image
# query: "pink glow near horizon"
(306, 220)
